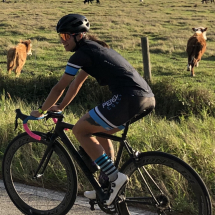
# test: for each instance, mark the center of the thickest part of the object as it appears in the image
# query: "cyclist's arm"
(73, 89)
(59, 88)
(57, 91)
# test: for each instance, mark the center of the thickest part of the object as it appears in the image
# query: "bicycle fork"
(45, 160)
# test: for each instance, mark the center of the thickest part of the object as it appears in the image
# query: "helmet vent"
(77, 24)
(73, 23)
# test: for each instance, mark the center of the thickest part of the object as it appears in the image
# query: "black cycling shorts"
(115, 112)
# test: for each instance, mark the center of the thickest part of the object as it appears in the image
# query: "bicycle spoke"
(161, 189)
(24, 165)
(54, 189)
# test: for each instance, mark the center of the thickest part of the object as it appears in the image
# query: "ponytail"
(96, 39)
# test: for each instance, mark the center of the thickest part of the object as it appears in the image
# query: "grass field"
(183, 123)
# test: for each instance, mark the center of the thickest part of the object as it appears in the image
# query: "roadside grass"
(183, 122)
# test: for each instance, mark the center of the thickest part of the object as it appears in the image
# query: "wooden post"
(146, 59)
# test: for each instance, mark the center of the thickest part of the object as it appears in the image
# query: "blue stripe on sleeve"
(71, 70)
(99, 120)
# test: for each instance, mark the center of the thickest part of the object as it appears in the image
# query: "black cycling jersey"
(109, 68)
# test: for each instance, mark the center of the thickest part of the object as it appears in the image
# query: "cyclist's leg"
(107, 145)
(144, 104)
(103, 178)
(92, 123)
(107, 116)
(83, 131)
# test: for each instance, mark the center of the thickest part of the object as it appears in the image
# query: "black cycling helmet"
(73, 23)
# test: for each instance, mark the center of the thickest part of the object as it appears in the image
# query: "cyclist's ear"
(80, 36)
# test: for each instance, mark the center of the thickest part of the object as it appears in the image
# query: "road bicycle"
(44, 165)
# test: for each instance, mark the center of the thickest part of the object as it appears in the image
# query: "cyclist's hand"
(36, 113)
(55, 108)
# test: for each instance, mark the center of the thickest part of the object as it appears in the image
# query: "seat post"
(124, 134)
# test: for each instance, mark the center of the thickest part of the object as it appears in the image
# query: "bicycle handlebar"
(25, 118)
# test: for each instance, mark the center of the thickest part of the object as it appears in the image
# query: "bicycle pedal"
(92, 203)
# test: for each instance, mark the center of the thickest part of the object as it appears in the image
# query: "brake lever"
(54, 115)
(16, 123)
(47, 117)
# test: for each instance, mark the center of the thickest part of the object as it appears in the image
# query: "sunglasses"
(66, 36)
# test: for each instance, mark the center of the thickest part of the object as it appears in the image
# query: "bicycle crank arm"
(122, 206)
(141, 200)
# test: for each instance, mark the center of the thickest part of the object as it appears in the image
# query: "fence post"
(146, 59)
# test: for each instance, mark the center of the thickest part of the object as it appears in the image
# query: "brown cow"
(196, 47)
(17, 55)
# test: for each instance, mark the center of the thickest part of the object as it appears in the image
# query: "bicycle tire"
(54, 192)
(183, 189)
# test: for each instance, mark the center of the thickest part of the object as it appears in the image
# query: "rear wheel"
(175, 187)
(54, 192)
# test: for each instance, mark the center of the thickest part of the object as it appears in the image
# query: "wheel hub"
(164, 203)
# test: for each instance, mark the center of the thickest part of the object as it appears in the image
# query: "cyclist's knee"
(82, 128)
(79, 131)
(86, 126)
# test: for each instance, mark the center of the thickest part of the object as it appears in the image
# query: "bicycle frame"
(59, 132)
(136, 162)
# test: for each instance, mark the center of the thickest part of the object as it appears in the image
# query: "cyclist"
(131, 95)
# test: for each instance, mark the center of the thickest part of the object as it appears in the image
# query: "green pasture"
(183, 122)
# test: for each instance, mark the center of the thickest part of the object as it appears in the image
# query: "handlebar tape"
(25, 119)
(30, 133)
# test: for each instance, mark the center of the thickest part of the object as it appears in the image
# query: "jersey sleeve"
(77, 61)
(72, 69)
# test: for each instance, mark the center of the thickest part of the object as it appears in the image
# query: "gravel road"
(81, 206)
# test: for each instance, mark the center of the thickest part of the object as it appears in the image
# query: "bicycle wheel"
(54, 192)
(175, 187)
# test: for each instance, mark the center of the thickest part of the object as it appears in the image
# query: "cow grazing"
(91, 1)
(206, 1)
(196, 47)
(16, 56)
(88, 1)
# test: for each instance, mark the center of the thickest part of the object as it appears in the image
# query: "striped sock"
(107, 166)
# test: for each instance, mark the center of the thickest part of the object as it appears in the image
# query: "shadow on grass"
(172, 98)
(210, 58)
(28, 89)
(35, 89)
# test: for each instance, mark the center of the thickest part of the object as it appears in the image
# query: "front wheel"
(160, 183)
(54, 191)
